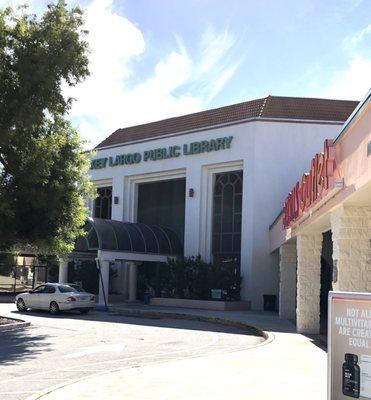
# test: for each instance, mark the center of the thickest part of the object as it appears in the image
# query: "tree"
(43, 168)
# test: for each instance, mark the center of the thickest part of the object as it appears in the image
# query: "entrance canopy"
(127, 237)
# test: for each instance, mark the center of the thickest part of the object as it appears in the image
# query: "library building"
(207, 184)
(278, 186)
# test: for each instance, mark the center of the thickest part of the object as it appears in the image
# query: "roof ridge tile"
(277, 107)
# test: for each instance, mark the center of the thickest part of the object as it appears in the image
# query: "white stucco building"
(217, 178)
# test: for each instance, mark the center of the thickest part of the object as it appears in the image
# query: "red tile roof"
(275, 107)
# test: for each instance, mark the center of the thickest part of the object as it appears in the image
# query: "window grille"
(103, 203)
(227, 214)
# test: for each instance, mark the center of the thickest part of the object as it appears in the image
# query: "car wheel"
(84, 310)
(21, 306)
(54, 308)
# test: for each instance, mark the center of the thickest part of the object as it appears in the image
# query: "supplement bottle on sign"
(351, 376)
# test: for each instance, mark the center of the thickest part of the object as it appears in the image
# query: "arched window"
(227, 212)
(103, 203)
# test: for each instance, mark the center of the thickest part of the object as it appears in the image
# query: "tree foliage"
(43, 169)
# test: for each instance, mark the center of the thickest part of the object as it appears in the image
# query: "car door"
(46, 297)
(33, 298)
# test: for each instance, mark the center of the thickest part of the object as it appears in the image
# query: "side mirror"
(30, 291)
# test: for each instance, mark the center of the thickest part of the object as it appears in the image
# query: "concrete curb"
(192, 317)
(14, 327)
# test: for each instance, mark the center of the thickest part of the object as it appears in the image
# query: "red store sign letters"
(312, 187)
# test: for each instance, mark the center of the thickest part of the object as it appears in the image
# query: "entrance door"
(326, 279)
(160, 203)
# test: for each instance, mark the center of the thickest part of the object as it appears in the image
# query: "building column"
(122, 279)
(308, 283)
(63, 271)
(132, 267)
(104, 272)
(192, 212)
(118, 191)
(287, 297)
(351, 236)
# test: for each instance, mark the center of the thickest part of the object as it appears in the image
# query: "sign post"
(349, 346)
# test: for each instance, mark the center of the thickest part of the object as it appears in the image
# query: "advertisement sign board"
(349, 346)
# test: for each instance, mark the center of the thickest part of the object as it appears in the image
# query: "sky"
(155, 59)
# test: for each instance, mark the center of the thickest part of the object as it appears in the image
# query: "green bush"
(192, 278)
(85, 272)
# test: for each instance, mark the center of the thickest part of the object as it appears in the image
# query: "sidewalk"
(286, 366)
(263, 321)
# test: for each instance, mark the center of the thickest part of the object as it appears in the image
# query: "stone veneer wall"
(287, 299)
(309, 283)
(351, 236)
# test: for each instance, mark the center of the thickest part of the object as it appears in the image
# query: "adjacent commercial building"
(218, 179)
(323, 235)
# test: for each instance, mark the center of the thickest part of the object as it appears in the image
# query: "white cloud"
(182, 81)
(222, 80)
(351, 83)
(179, 83)
(353, 40)
(12, 3)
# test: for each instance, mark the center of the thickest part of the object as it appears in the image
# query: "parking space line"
(80, 370)
(22, 392)
(45, 379)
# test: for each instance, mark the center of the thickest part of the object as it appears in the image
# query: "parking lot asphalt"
(57, 350)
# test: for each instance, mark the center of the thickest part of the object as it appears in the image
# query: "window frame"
(101, 214)
(226, 180)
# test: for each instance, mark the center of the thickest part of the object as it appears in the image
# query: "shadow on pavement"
(168, 322)
(319, 341)
(21, 345)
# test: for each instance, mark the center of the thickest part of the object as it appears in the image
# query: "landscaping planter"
(201, 304)
(7, 324)
(114, 298)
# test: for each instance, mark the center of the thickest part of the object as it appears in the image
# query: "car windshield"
(67, 289)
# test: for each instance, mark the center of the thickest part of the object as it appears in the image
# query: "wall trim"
(211, 127)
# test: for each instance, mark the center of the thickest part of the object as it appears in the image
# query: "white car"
(56, 297)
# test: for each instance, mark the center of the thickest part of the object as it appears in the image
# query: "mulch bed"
(7, 321)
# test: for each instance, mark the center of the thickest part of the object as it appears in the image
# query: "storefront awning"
(128, 237)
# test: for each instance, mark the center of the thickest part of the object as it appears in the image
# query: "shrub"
(192, 278)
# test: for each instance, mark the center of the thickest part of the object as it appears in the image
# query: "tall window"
(103, 203)
(227, 212)
(163, 203)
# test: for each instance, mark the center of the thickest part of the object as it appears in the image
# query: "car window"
(49, 289)
(67, 289)
(78, 288)
(39, 289)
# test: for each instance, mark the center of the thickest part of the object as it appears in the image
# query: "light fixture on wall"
(116, 200)
(191, 192)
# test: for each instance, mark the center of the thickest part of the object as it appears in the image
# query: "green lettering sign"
(164, 153)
